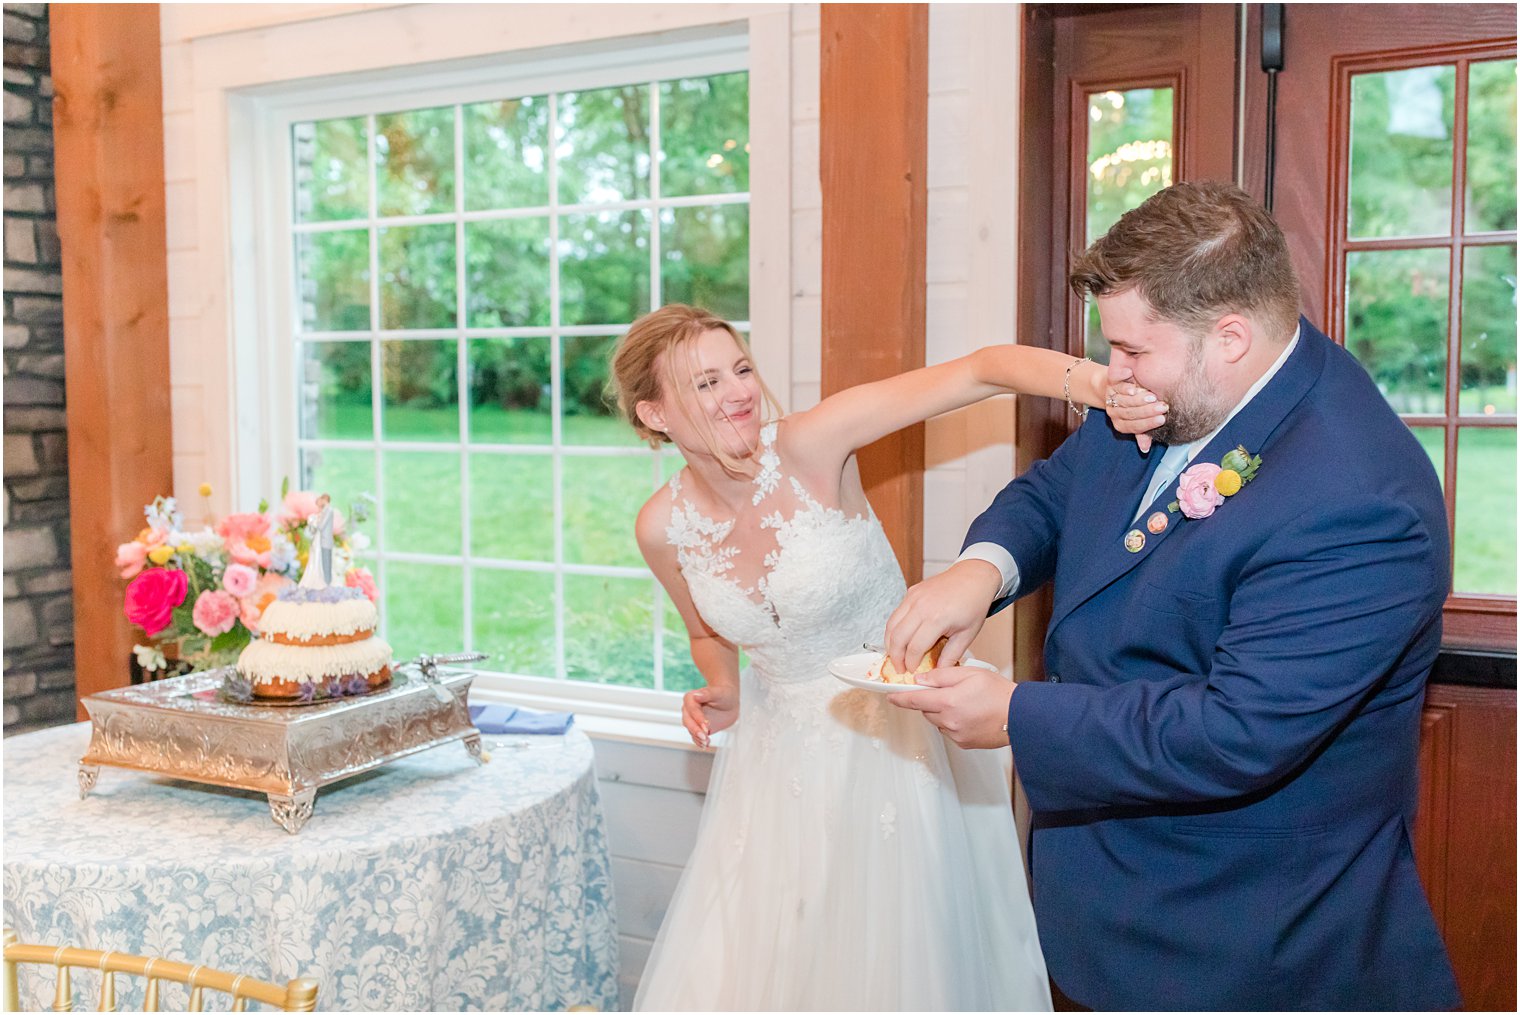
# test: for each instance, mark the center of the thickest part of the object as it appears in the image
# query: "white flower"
(150, 658)
(282, 553)
(358, 542)
(163, 513)
(205, 544)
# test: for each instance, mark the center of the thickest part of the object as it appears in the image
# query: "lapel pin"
(1157, 523)
(1134, 540)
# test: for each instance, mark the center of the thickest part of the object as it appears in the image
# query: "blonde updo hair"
(644, 368)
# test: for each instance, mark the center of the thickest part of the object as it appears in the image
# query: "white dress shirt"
(1172, 464)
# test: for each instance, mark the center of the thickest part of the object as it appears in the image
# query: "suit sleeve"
(1025, 517)
(1318, 620)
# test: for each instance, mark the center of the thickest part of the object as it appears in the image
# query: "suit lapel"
(1108, 558)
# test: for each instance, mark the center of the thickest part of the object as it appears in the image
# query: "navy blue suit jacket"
(1222, 764)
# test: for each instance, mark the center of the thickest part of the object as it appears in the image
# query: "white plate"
(855, 670)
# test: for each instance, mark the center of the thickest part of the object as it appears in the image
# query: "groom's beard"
(1195, 406)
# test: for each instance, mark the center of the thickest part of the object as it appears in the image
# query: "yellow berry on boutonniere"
(1227, 482)
(160, 554)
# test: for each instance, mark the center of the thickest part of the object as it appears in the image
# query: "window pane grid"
(401, 306)
(1476, 339)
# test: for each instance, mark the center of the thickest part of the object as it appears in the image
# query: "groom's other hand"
(951, 605)
(967, 703)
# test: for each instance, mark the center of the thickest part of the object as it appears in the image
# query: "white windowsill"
(636, 726)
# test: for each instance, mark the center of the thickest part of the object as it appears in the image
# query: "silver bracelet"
(1066, 388)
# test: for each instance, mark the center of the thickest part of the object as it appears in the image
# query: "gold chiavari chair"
(298, 995)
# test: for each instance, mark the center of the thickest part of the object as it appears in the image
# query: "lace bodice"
(794, 584)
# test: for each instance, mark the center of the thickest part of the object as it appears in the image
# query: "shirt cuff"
(999, 558)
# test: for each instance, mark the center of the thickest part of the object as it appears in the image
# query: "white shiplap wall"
(652, 785)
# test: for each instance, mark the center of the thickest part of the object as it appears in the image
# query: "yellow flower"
(185, 548)
(1228, 482)
(205, 489)
(161, 554)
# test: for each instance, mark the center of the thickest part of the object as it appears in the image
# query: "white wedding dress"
(848, 857)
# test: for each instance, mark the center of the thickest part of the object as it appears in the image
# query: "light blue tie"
(1172, 463)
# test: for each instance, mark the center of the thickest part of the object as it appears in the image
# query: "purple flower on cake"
(215, 612)
(354, 684)
(1196, 493)
(239, 579)
(308, 691)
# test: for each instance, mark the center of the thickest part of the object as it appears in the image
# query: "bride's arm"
(709, 709)
(855, 417)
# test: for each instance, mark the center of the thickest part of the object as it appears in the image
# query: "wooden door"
(1118, 101)
(1394, 183)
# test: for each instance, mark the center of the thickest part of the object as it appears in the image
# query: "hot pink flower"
(361, 579)
(239, 579)
(1196, 493)
(215, 612)
(152, 596)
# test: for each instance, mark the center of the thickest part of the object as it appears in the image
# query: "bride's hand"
(1133, 409)
(709, 710)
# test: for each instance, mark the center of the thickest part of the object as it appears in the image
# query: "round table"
(429, 884)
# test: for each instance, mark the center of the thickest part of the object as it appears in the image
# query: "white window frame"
(264, 317)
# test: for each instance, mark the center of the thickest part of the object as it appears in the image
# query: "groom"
(1222, 760)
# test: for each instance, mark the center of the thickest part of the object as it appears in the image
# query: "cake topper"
(318, 573)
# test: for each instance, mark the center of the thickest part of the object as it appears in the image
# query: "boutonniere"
(1204, 486)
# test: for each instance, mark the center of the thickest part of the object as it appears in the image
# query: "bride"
(848, 856)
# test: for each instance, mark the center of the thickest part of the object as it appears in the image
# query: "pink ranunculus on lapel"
(1196, 493)
(152, 596)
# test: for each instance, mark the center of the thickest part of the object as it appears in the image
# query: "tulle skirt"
(848, 858)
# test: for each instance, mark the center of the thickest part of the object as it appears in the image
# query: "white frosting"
(314, 620)
(263, 661)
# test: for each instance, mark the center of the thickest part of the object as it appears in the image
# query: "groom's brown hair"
(1195, 252)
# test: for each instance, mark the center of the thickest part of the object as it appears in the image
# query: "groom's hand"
(951, 605)
(967, 703)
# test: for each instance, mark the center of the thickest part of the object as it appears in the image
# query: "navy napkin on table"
(501, 719)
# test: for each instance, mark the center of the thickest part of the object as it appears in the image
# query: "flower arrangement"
(198, 593)
(1205, 486)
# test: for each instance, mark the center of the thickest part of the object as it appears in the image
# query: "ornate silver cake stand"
(185, 728)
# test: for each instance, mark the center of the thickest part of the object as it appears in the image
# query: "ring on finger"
(1111, 400)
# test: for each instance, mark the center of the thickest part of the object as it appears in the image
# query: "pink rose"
(1196, 494)
(152, 596)
(361, 579)
(215, 612)
(239, 579)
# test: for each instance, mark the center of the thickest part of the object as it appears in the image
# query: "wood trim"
(1432, 821)
(874, 83)
(109, 143)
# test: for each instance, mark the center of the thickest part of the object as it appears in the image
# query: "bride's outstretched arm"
(855, 417)
(706, 710)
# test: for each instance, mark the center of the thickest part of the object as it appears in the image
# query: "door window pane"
(604, 267)
(1396, 323)
(590, 416)
(1488, 330)
(1491, 146)
(1485, 522)
(1433, 440)
(346, 476)
(1130, 142)
(421, 501)
(417, 282)
(1401, 152)
(507, 273)
(598, 492)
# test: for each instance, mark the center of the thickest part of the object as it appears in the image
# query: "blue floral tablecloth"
(429, 884)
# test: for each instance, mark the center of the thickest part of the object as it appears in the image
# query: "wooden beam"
(109, 144)
(873, 161)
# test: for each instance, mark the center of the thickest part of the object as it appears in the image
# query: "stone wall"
(39, 609)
